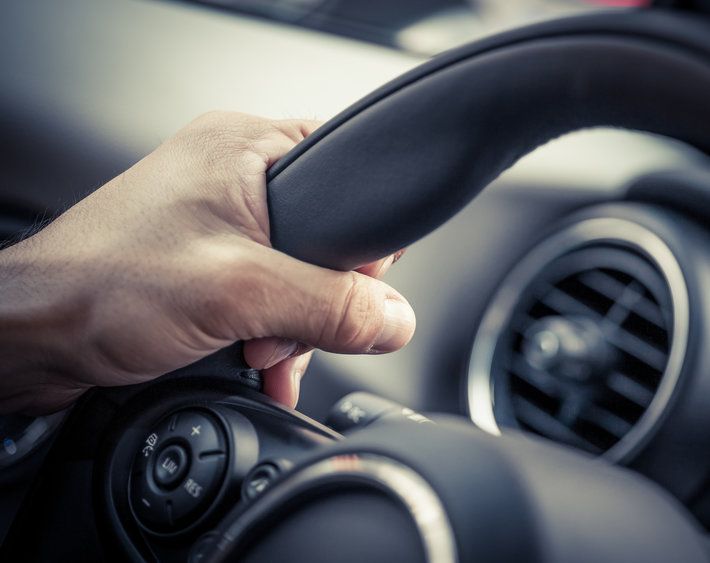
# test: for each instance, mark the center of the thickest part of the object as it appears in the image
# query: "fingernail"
(382, 270)
(296, 375)
(399, 325)
(283, 349)
(299, 368)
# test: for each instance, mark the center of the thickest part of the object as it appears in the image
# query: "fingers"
(263, 353)
(297, 129)
(289, 133)
(220, 136)
(284, 361)
(376, 269)
(380, 267)
(343, 312)
(282, 382)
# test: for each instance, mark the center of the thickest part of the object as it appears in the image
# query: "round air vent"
(584, 341)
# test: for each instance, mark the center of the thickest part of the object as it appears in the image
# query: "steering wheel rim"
(399, 163)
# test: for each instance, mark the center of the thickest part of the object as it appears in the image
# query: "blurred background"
(423, 27)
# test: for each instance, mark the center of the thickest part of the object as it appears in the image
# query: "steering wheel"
(199, 466)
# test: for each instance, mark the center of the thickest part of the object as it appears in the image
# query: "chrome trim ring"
(399, 481)
(621, 232)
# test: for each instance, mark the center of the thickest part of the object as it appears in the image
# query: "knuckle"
(226, 143)
(292, 129)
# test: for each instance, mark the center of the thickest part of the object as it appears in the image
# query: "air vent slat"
(648, 310)
(546, 425)
(603, 283)
(535, 377)
(613, 424)
(612, 288)
(561, 301)
(637, 348)
(630, 389)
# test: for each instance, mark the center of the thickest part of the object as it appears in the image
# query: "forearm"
(37, 325)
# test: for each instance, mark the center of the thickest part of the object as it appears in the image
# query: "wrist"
(38, 323)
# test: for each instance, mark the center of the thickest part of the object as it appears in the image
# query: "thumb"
(344, 312)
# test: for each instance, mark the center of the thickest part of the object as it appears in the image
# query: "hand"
(171, 261)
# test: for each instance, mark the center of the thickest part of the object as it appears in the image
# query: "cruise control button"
(178, 470)
(170, 466)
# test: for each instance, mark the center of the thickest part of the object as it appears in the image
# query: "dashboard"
(90, 87)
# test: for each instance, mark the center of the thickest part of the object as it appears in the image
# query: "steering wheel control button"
(198, 488)
(170, 466)
(148, 507)
(178, 470)
(203, 547)
(200, 431)
(259, 479)
(360, 409)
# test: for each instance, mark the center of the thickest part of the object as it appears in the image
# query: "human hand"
(171, 261)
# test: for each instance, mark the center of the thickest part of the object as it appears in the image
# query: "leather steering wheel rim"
(403, 160)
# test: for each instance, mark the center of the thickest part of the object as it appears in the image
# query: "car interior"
(544, 162)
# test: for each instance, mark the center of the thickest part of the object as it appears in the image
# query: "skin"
(171, 261)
